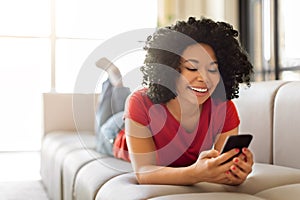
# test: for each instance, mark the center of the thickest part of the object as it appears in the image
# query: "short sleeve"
(232, 119)
(137, 107)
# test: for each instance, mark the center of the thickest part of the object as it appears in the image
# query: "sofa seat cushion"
(266, 176)
(54, 140)
(55, 146)
(92, 176)
(209, 196)
(127, 187)
(290, 192)
(73, 162)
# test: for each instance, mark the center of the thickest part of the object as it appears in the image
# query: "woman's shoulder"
(137, 106)
(140, 95)
(140, 91)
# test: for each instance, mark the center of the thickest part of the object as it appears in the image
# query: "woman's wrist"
(192, 174)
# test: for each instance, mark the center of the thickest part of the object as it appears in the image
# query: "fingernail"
(233, 168)
(227, 172)
(236, 160)
(237, 150)
(244, 150)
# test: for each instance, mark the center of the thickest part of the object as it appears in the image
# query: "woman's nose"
(201, 76)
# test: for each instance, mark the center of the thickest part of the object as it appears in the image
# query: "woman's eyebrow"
(191, 60)
(197, 61)
(213, 63)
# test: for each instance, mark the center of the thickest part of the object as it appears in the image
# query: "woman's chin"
(202, 99)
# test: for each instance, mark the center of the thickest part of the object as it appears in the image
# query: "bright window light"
(291, 30)
(70, 55)
(91, 22)
(103, 19)
(25, 17)
(32, 47)
(24, 75)
(43, 44)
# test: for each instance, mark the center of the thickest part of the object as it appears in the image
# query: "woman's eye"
(191, 69)
(212, 70)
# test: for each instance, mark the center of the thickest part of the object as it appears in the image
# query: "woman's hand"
(210, 166)
(241, 167)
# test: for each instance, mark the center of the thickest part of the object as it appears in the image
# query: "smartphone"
(236, 141)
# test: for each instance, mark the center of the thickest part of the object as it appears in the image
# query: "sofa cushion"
(95, 174)
(287, 125)
(209, 196)
(127, 187)
(266, 176)
(73, 162)
(255, 108)
(55, 147)
(290, 192)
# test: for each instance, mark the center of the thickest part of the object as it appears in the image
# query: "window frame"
(264, 69)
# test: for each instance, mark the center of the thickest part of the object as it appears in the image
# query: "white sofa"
(71, 168)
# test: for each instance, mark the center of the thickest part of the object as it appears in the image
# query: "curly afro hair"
(165, 47)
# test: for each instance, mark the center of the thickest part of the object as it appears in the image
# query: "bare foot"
(113, 71)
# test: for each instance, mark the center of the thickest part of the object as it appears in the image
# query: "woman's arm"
(222, 137)
(143, 157)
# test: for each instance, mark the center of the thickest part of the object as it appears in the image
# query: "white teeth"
(199, 89)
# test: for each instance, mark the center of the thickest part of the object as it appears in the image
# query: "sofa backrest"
(255, 108)
(69, 112)
(269, 110)
(287, 125)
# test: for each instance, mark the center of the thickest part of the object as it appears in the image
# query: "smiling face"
(199, 73)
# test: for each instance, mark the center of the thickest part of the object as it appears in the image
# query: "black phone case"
(237, 141)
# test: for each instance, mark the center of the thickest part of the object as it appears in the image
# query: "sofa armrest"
(286, 125)
(69, 112)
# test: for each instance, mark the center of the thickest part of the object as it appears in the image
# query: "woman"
(176, 126)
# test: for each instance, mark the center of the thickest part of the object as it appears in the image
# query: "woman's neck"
(183, 110)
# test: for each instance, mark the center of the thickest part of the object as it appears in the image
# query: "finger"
(243, 157)
(248, 154)
(225, 157)
(232, 179)
(209, 154)
(238, 173)
(246, 167)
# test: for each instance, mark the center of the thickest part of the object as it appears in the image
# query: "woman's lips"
(198, 89)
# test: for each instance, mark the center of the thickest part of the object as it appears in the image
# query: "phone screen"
(236, 141)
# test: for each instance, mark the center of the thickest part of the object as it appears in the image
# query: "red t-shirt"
(175, 146)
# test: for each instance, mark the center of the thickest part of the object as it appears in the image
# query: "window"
(24, 71)
(82, 25)
(270, 35)
(288, 40)
(43, 44)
